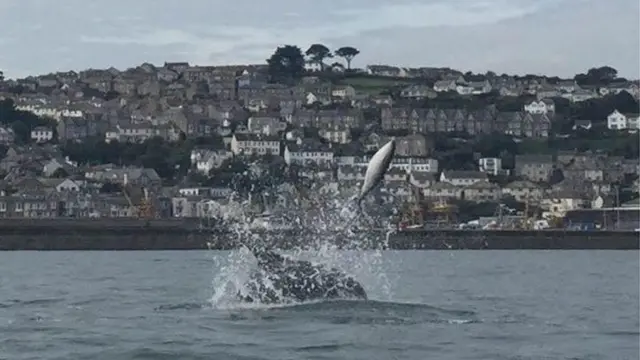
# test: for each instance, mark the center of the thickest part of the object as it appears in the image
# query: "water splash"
(328, 221)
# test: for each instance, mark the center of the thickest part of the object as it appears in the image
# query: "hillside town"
(174, 140)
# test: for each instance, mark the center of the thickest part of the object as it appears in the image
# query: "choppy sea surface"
(424, 305)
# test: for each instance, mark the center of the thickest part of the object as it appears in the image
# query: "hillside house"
(33, 204)
(462, 178)
(535, 168)
(350, 173)
(421, 179)
(255, 144)
(308, 152)
(442, 190)
(51, 166)
(413, 145)
(42, 134)
(543, 106)
(617, 88)
(445, 86)
(492, 166)
(418, 92)
(144, 177)
(206, 160)
(343, 92)
(481, 191)
(340, 135)
(395, 174)
(386, 70)
(523, 191)
(76, 128)
(268, 124)
(582, 124)
(619, 121)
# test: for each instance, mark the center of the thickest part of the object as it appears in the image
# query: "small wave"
(185, 306)
(34, 302)
(322, 348)
(622, 333)
(378, 305)
(350, 312)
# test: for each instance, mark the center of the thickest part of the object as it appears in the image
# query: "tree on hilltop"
(286, 64)
(597, 76)
(317, 53)
(1, 76)
(347, 53)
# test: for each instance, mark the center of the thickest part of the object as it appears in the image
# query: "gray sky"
(554, 37)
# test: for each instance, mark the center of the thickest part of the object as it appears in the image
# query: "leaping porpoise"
(377, 168)
(284, 280)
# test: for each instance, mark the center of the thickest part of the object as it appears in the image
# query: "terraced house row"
(474, 122)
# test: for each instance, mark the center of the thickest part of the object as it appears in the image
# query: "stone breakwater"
(180, 234)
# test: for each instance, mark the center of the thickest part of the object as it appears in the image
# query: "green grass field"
(373, 85)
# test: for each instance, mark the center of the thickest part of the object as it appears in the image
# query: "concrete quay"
(180, 234)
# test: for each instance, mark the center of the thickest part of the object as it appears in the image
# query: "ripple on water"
(32, 302)
(367, 312)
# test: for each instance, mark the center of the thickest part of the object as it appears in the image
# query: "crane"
(145, 208)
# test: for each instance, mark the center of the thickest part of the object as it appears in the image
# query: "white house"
(480, 87)
(445, 85)
(265, 124)
(442, 190)
(43, 109)
(462, 178)
(255, 144)
(341, 135)
(464, 90)
(343, 92)
(351, 173)
(582, 124)
(524, 191)
(311, 98)
(582, 95)
(543, 106)
(314, 66)
(491, 166)
(411, 164)
(52, 165)
(205, 160)
(195, 191)
(137, 132)
(42, 134)
(619, 121)
(395, 174)
(629, 87)
(304, 152)
(67, 185)
(407, 163)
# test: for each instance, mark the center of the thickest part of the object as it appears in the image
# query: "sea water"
(424, 305)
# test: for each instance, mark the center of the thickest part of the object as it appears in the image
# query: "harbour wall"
(179, 234)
